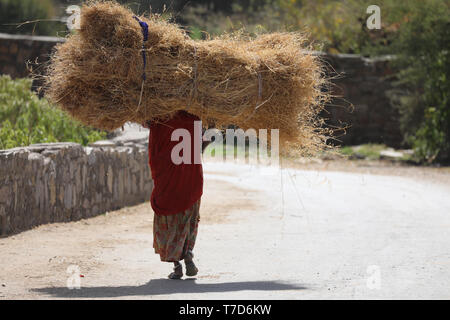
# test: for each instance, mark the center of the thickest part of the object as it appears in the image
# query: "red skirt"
(175, 235)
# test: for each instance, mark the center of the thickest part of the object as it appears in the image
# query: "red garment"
(176, 187)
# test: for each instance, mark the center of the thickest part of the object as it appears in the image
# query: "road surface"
(264, 234)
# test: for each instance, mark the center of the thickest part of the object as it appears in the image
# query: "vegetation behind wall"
(25, 119)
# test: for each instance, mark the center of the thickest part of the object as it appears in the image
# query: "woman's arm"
(205, 144)
(146, 124)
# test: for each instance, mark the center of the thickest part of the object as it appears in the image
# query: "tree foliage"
(423, 89)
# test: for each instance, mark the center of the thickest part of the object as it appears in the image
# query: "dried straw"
(269, 82)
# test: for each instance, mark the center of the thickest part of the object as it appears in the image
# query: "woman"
(176, 194)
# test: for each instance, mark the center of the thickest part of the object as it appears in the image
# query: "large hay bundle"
(268, 82)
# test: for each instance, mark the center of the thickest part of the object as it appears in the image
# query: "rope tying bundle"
(194, 81)
(259, 102)
(195, 71)
(259, 88)
(144, 27)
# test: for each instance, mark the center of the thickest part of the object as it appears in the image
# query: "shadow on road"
(166, 287)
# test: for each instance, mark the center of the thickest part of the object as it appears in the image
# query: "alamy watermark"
(73, 22)
(74, 279)
(373, 282)
(249, 146)
(374, 20)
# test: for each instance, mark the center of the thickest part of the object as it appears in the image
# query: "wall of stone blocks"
(362, 103)
(64, 182)
(18, 50)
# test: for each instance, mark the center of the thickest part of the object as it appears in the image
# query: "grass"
(370, 151)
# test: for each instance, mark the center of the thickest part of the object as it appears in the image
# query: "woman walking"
(177, 193)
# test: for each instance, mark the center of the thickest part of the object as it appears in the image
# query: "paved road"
(263, 235)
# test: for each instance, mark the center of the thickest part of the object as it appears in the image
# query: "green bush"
(423, 88)
(25, 119)
(15, 12)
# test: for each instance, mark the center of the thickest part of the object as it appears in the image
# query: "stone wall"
(17, 50)
(361, 82)
(64, 182)
(362, 85)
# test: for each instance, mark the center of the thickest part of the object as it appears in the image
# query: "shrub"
(423, 89)
(25, 119)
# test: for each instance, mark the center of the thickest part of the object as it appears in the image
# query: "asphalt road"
(264, 234)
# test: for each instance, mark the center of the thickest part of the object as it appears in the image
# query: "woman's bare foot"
(177, 273)
(191, 269)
